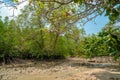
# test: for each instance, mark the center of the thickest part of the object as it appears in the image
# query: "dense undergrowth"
(27, 43)
(28, 37)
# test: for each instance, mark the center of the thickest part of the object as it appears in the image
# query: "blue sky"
(96, 25)
(93, 26)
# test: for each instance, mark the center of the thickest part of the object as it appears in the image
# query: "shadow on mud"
(107, 75)
(73, 62)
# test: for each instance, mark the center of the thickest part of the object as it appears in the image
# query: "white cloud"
(117, 24)
(11, 11)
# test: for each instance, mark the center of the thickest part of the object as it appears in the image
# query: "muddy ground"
(100, 68)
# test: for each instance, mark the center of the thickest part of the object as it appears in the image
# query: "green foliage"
(106, 43)
(7, 41)
(111, 35)
(95, 46)
(32, 36)
(111, 7)
(14, 0)
(28, 42)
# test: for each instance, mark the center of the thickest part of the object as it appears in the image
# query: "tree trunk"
(41, 34)
(55, 41)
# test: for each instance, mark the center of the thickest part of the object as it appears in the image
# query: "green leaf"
(14, 0)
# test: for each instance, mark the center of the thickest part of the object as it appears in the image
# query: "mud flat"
(102, 68)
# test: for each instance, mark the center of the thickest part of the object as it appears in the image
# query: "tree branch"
(62, 3)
